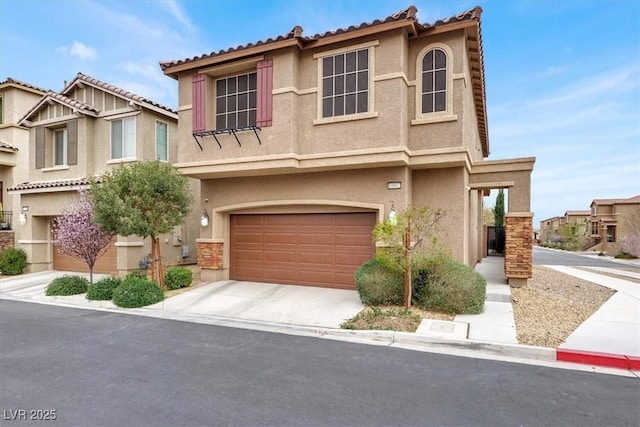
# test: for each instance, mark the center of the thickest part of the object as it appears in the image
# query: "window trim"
(166, 140)
(135, 137)
(436, 116)
(64, 146)
(371, 111)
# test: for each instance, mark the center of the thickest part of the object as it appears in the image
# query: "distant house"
(550, 229)
(16, 98)
(81, 132)
(303, 143)
(611, 220)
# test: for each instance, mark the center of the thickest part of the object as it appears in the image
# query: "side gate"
(495, 241)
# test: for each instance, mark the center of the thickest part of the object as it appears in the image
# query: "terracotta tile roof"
(577, 213)
(114, 89)
(296, 33)
(10, 80)
(72, 103)
(630, 201)
(605, 202)
(7, 146)
(74, 182)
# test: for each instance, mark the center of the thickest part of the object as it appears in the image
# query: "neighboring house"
(303, 143)
(612, 219)
(16, 98)
(577, 222)
(549, 229)
(86, 129)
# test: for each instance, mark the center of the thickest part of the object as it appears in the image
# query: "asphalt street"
(550, 257)
(109, 369)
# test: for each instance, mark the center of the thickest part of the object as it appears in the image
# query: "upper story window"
(236, 101)
(434, 81)
(345, 83)
(123, 138)
(1, 111)
(161, 141)
(56, 146)
(60, 147)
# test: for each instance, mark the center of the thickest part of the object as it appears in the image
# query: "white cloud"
(79, 50)
(178, 13)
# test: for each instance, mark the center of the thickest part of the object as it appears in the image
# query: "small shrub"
(136, 292)
(392, 319)
(178, 277)
(138, 274)
(442, 284)
(378, 284)
(103, 289)
(12, 261)
(67, 285)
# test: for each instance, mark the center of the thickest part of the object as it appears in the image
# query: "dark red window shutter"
(265, 87)
(198, 102)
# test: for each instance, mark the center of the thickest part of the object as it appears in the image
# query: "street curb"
(630, 363)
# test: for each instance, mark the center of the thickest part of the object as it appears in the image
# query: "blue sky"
(563, 77)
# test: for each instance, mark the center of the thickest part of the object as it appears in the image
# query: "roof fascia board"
(217, 59)
(445, 28)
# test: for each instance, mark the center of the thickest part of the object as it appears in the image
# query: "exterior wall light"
(22, 218)
(204, 219)
(392, 215)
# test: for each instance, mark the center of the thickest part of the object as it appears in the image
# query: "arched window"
(434, 81)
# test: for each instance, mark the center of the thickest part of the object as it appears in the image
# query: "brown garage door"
(106, 264)
(301, 249)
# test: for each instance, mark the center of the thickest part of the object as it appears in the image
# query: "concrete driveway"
(263, 302)
(267, 302)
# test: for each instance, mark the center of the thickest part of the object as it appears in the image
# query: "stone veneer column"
(209, 255)
(518, 256)
(7, 240)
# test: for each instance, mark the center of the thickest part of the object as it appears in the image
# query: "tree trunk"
(160, 273)
(407, 268)
(152, 256)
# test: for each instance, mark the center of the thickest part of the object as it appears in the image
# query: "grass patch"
(390, 319)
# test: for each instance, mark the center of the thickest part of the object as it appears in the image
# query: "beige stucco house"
(86, 129)
(613, 219)
(303, 143)
(16, 98)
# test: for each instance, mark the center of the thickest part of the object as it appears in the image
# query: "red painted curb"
(634, 363)
(598, 359)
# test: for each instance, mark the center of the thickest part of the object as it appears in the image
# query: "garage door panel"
(353, 240)
(251, 238)
(245, 255)
(305, 249)
(279, 238)
(281, 256)
(315, 239)
(105, 264)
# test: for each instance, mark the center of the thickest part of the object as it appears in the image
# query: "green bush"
(103, 289)
(67, 285)
(177, 277)
(378, 284)
(138, 274)
(12, 261)
(136, 292)
(443, 284)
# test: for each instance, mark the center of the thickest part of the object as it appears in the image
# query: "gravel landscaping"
(553, 305)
